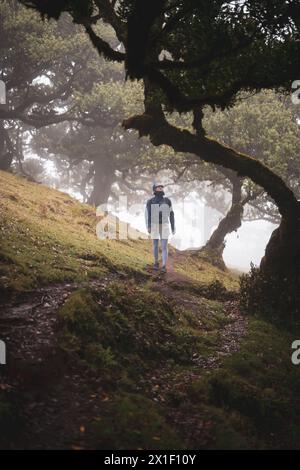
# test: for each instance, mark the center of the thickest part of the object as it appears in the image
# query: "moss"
(133, 326)
(133, 421)
(259, 386)
(209, 290)
(263, 406)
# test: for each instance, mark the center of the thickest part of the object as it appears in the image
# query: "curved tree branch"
(209, 150)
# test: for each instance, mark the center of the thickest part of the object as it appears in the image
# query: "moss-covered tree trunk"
(231, 222)
(215, 245)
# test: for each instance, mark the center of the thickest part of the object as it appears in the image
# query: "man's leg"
(155, 252)
(164, 248)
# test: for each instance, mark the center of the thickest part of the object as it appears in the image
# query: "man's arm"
(148, 215)
(172, 216)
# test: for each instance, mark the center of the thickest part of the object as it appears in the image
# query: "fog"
(242, 247)
(194, 224)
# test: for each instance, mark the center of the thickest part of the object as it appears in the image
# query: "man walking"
(159, 215)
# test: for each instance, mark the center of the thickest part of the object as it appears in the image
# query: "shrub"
(274, 297)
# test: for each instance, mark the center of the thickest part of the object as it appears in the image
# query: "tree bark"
(103, 180)
(282, 254)
(231, 222)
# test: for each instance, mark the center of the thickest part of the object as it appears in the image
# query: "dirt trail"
(158, 386)
(55, 398)
(192, 424)
(171, 275)
(60, 400)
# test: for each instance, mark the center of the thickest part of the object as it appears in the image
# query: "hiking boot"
(163, 269)
(156, 266)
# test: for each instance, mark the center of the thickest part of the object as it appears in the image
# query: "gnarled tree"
(194, 53)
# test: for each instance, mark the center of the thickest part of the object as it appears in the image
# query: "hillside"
(47, 236)
(102, 353)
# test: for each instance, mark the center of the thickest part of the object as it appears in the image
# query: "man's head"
(158, 188)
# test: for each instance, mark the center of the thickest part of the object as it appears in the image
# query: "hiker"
(159, 215)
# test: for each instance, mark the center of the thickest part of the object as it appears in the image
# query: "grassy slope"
(46, 236)
(129, 331)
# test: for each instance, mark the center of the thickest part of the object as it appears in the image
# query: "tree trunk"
(103, 180)
(274, 289)
(215, 245)
(6, 149)
(232, 220)
(282, 254)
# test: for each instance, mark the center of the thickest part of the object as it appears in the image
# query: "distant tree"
(41, 66)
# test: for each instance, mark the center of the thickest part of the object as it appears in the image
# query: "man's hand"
(173, 231)
(149, 230)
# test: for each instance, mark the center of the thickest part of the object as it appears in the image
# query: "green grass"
(255, 393)
(201, 271)
(46, 237)
(133, 327)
